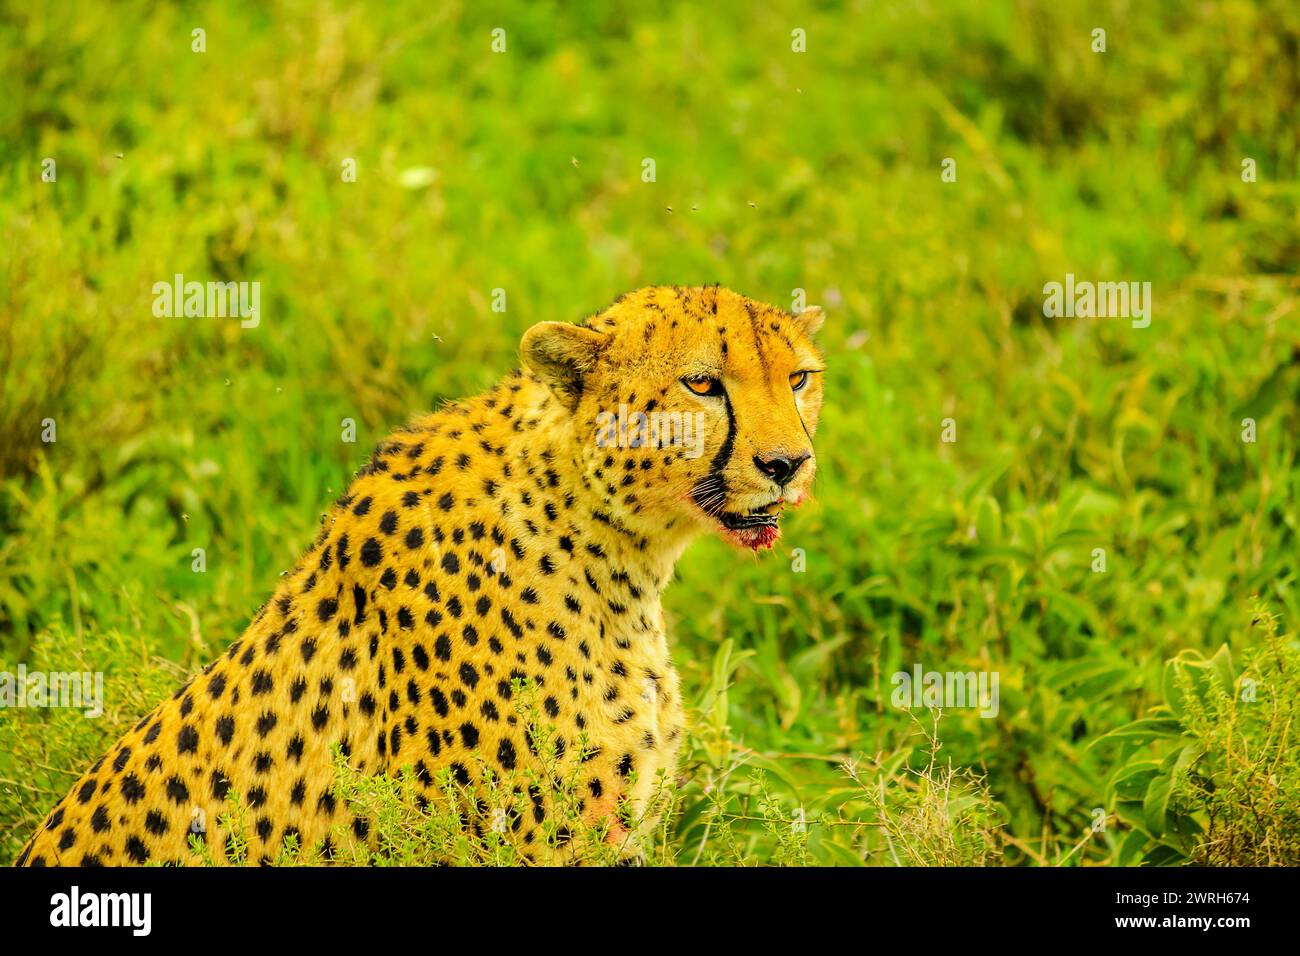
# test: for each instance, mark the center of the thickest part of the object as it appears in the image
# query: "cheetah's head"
(693, 408)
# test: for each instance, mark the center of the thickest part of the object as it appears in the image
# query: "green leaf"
(1132, 781)
(1189, 672)
(988, 522)
(1164, 855)
(1142, 731)
(1156, 803)
(1133, 847)
(1155, 806)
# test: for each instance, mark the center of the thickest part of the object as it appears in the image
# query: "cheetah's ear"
(561, 355)
(811, 319)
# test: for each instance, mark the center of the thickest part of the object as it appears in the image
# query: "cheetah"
(504, 539)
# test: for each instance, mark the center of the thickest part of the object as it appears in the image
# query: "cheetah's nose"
(780, 468)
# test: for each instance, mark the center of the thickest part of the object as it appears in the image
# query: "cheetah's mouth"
(765, 517)
(753, 529)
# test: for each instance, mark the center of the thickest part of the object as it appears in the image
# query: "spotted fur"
(491, 541)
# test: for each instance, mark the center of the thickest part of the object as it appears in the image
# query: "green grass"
(776, 171)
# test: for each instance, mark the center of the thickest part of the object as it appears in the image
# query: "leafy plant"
(1212, 775)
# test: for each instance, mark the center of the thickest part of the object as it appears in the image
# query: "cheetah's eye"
(798, 380)
(703, 385)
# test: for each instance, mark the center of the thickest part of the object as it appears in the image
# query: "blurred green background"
(776, 170)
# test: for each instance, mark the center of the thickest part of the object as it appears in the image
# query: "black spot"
(371, 553)
(136, 850)
(506, 754)
(220, 785)
(511, 624)
(439, 701)
(217, 686)
(187, 740)
(442, 647)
